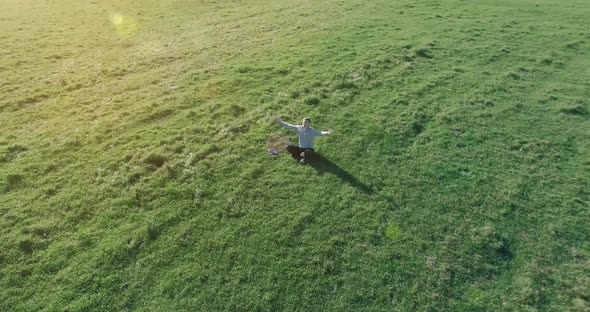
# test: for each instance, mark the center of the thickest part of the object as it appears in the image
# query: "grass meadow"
(134, 172)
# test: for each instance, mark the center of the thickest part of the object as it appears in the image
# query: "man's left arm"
(322, 133)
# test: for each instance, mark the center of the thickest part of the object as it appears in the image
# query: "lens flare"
(126, 26)
(117, 19)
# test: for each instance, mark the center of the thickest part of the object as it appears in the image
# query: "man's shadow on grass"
(322, 165)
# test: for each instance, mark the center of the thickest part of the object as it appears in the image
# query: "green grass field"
(134, 172)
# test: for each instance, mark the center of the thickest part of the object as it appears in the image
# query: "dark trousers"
(296, 152)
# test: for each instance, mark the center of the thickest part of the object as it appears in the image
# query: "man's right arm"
(286, 125)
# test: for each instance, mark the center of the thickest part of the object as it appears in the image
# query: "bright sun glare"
(125, 25)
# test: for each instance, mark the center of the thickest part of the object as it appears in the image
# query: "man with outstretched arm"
(306, 135)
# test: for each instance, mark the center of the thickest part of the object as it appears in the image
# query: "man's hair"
(307, 118)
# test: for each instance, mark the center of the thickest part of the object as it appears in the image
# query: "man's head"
(306, 122)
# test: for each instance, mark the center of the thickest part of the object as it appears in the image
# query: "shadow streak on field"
(322, 165)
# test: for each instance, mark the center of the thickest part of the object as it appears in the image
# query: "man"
(306, 135)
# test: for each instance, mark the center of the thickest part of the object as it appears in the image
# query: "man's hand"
(329, 131)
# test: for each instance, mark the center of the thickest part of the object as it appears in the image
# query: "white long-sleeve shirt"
(305, 136)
